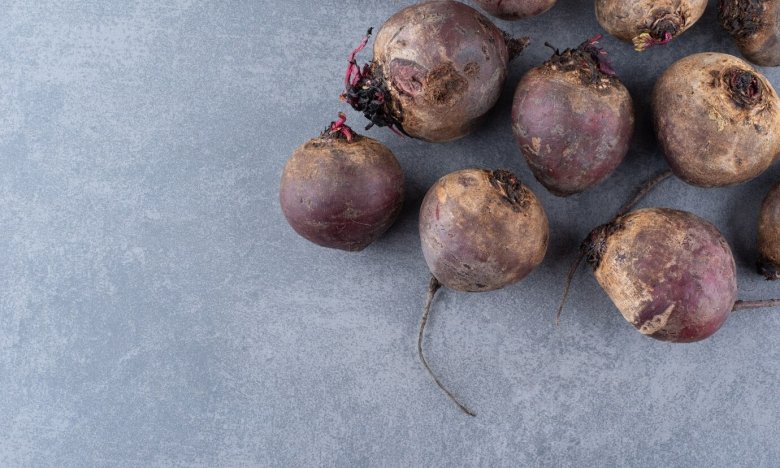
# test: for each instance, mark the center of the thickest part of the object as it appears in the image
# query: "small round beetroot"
(515, 9)
(647, 23)
(717, 119)
(482, 230)
(573, 119)
(438, 68)
(342, 190)
(670, 273)
(755, 25)
(769, 235)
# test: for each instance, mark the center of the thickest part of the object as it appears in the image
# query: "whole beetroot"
(769, 235)
(480, 230)
(438, 68)
(670, 273)
(573, 119)
(717, 119)
(342, 190)
(515, 9)
(647, 23)
(755, 25)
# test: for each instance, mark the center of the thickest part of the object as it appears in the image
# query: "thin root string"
(569, 278)
(758, 304)
(641, 193)
(433, 287)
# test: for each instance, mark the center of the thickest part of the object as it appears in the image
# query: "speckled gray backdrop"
(156, 309)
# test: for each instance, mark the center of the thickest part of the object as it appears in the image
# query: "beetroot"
(717, 119)
(573, 119)
(647, 23)
(438, 68)
(515, 9)
(769, 235)
(480, 231)
(670, 273)
(341, 190)
(755, 25)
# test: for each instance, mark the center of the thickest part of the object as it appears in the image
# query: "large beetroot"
(670, 273)
(438, 68)
(573, 119)
(717, 119)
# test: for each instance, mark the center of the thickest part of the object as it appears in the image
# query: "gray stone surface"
(157, 310)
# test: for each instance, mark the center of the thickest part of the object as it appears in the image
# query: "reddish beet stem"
(642, 192)
(353, 70)
(340, 126)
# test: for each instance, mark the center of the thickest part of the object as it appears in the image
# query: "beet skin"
(573, 120)
(342, 194)
(482, 230)
(670, 273)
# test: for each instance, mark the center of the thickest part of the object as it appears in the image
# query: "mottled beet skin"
(482, 230)
(340, 194)
(515, 9)
(572, 123)
(717, 119)
(647, 23)
(769, 235)
(755, 26)
(444, 64)
(670, 273)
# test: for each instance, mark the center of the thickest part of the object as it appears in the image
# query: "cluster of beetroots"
(439, 67)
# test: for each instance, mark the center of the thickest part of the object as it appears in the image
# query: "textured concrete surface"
(156, 309)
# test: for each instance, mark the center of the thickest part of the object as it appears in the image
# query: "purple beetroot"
(342, 190)
(438, 68)
(573, 119)
(482, 230)
(717, 119)
(671, 274)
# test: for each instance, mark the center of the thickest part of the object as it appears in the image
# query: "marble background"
(157, 310)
